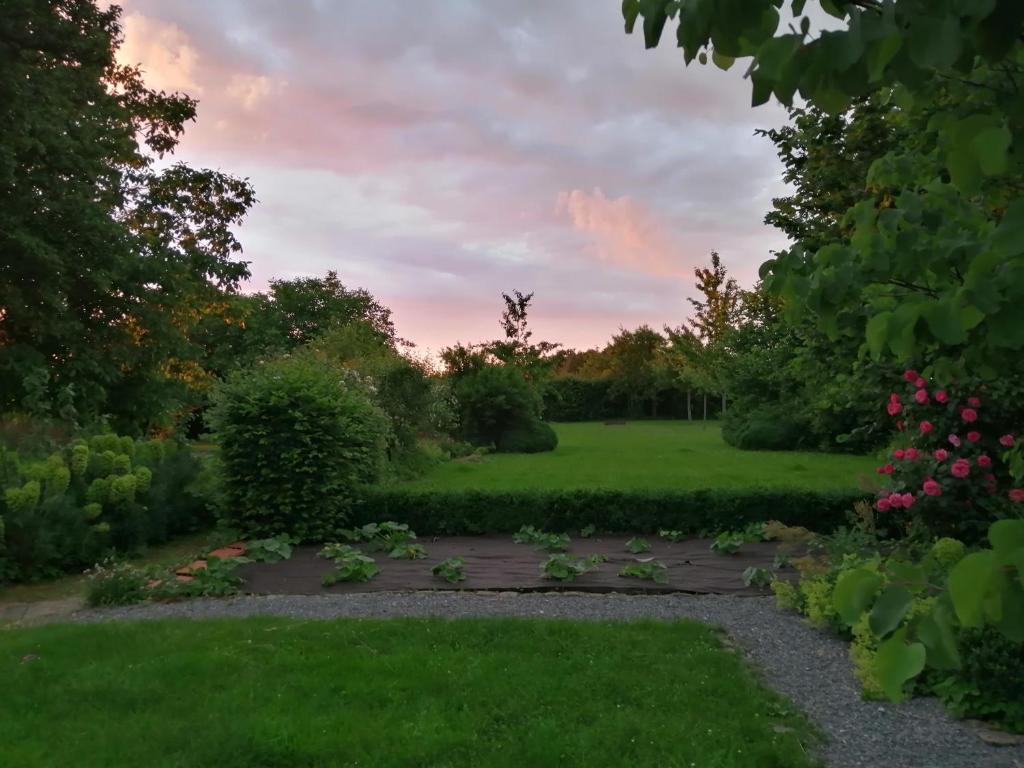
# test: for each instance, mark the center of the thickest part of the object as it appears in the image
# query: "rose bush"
(950, 475)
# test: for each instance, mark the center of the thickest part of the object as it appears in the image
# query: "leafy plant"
(408, 552)
(350, 564)
(757, 577)
(651, 571)
(669, 535)
(562, 567)
(270, 550)
(638, 546)
(217, 579)
(587, 531)
(727, 543)
(115, 583)
(548, 542)
(381, 536)
(451, 570)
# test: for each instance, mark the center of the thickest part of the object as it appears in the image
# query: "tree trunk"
(705, 407)
(689, 407)
(723, 405)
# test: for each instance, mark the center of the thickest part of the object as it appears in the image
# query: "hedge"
(477, 512)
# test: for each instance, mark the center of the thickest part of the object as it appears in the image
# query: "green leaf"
(1006, 536)
(968, 586)
(936, 632)
(722, 61)
(854, 592)
(878, 333)
(880, 53)
(944, 321)
(890, 608)
(1012, 622)
(897, 662)
(1009, 235)
(935, 43)
(990, 148)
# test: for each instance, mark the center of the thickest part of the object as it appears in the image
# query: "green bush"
(530, 437)
(763, 430)
(475, 512)
(494, 400)
(66, 510)
(298, 439)
(990, 681)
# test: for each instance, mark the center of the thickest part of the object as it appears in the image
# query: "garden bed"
(495, 562)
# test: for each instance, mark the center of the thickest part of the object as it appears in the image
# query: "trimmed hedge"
(476, 512)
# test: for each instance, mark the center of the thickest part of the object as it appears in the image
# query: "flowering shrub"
(951, 476)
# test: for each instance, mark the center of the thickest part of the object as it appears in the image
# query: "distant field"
(649, 454)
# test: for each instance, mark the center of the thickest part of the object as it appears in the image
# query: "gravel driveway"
(808, 666)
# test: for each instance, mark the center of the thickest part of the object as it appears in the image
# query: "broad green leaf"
(1012, 622)
(943, 318)
(897, 662)
(968, 584)
(936, 632)
(880, 53)
(1009, 235)
(854, 592)
(1006, 536)
(890, 608)
(878, 333)
(935, 42)
(722, 61)
(990, 147)
(911, 575)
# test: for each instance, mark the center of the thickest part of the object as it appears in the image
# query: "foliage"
(932, 265)
(217, 579)
(637, 546)
(532, 436)
(298, 440)
(757, 577)
(588, 531)
(115, 583)
(111, 252)
(408, 552)
(450, 569)
(350, 564)
(563, 567)
(513, 694)
(270, 550)
(548, 542)
(949, 475)
(63, 510)
(990, 682)
(727, 543)
(672, 535)
(652, 570)
(440, 512)
(495, 400)
(384, 536)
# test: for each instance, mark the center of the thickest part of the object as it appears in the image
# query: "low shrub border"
(476, 512)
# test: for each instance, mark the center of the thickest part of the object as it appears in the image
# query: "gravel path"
(808, 666)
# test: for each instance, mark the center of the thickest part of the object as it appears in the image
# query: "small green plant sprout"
(754, 532)
(757, 577)
(350, 564)
(587, 531)
(217, 579)
(647, 569)
(410, 551)
(270, 550)
(451, 570)
(380, 536)
(563, 567)
(782, 560)
(638, 546)
(526, 535)
(727, 543)
(668, 535)
(548, 542)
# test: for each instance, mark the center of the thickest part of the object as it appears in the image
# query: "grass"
(74, 585)
(664, 455)
(402, 692)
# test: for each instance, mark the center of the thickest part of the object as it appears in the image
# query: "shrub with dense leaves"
(499, 407)
(299, 440)
(534, 436)
(949, 476)
(69, 509)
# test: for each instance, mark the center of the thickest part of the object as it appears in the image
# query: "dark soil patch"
(495, 562)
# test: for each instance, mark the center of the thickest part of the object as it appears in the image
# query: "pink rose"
(893, 408)
(941, 396)
(921, 396)
(899, 453)
(969, 415)
(895, 500)
(931, 488)
(910, 375)
(960, 468)
(1006, 441)
(908, 500)
(911, 454)
(882, 505)
(973, 402)
(973, 436)
(1017, 494)
(920, 383)
(925, 427)
(894, 398)
(954, 440)
(886, 469)
(941, 454)
(984, 462)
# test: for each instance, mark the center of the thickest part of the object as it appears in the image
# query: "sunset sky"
(439, 153)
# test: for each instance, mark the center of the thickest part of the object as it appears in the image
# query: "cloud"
(169, 61)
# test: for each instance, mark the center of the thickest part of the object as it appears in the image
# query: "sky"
(441, 152)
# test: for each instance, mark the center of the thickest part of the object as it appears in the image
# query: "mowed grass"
(382, 694)
(670, 455)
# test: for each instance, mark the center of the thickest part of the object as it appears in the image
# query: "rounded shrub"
(763, 430)
(493, 400)
(533, 436)
(298, 440)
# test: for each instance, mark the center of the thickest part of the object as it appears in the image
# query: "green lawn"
(649, 454)
(403, 692)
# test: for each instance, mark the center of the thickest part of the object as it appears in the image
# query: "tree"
(516, 348)
(106, 261)
(638, 367)
(717, 312)
(933, 267)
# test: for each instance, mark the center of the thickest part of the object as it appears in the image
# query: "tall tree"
(105, 261)
(716, 312)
